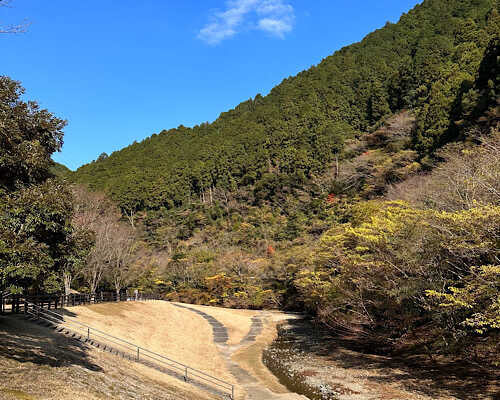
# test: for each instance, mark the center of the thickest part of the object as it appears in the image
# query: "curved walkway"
(255, 389)
(219, 330)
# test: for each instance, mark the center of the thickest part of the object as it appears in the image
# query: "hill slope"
(426, 62)
(38, 363)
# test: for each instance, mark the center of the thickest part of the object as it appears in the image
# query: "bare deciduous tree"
(111, 255)
(468, 178)
(120, 271)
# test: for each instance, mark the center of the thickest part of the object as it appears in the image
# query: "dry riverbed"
(310, 361)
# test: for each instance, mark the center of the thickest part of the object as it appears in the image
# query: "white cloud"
(275, 17)
(275, 26)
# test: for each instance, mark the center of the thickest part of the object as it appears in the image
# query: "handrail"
(52, 317)
(4, 296)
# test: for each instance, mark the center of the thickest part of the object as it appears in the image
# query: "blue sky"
(119, 71)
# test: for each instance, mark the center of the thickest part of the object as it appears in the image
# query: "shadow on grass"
(415, 372)
(25, 342)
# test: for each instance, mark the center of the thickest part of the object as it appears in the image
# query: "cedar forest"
(365, 192)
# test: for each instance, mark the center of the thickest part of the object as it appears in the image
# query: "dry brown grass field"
(160, 327)
(38, 363)
(185, 336)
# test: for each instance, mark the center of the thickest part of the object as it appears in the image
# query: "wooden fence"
(16, 304)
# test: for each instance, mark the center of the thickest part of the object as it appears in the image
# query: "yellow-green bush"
(385, 273)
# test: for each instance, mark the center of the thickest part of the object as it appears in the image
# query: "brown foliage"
(468, 177)
(111, 256)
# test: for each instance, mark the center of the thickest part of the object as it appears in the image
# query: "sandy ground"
(243, 353)
(250, 357)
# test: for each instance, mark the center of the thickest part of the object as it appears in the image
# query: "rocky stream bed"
(295, 367)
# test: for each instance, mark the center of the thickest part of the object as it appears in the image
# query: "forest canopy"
(428, 62)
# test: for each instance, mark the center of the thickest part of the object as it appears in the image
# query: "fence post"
(232, 392)
(138, 354)
(186, 374)
(25, 307)
(88, 333)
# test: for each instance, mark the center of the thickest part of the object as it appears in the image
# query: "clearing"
(225, 343)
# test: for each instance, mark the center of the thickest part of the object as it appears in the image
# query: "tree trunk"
(67, 278)
(130, 217)
(336, 166)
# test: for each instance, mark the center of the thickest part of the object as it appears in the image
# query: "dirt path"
(250, 373)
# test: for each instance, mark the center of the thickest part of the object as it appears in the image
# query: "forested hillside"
(427, 62)
(363, 191)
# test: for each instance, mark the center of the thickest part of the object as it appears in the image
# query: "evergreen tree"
(35, 209)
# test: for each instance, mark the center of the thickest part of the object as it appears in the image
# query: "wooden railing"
(4, 298)
(14, 303)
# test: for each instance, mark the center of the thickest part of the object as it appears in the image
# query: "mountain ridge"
(298, 129)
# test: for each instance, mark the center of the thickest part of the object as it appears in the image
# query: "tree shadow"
(26, 342)
(65, 312)
(415, 372)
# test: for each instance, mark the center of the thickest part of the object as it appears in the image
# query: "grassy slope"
(161, 328)
(37, 363)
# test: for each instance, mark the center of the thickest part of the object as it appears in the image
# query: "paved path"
(255, 389)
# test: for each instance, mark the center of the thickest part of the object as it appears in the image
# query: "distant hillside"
(427, 62)
(60, 170)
